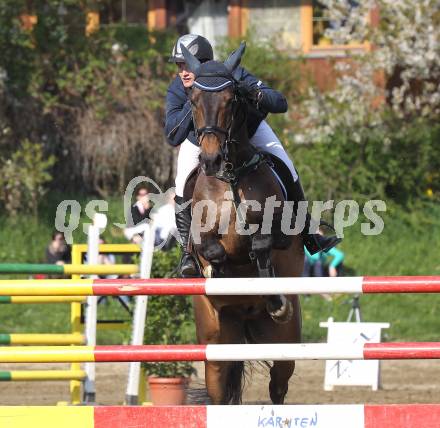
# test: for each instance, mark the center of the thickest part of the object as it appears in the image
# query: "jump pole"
(69, 269)
(269, 352)
(247, 416)
(42, 339)
(91, 310)
(39, 375)
(139, 317)
(41, 299)
(76, 327)
(221, 286)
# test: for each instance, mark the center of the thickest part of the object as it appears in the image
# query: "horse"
(232, 174)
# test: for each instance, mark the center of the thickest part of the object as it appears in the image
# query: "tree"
(377, 139)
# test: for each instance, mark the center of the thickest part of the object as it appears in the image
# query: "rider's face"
(185, 75)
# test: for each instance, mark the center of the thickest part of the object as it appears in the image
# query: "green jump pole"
(31, 268)
(68, 269)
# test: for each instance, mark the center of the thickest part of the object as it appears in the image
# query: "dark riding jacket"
(178, 119)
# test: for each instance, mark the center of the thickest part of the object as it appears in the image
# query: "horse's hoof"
(207, 271)
(282, 311)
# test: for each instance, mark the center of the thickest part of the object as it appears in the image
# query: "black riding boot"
(188, 267)
(314, 242)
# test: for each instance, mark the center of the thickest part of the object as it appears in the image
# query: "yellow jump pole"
(46, 287)
(42, 339)
(75, 322)
(126, 269)
(47, 354)
(38, 375)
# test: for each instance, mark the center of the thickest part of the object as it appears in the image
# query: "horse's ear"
(234, 59)
(191, 61)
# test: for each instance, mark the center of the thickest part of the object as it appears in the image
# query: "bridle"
(220, 132)
(230, 172)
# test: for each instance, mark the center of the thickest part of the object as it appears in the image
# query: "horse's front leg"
(278, 306)
(223, 378)
(208, 331)
(213, 252)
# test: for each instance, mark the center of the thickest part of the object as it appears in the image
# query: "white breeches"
(264, 139)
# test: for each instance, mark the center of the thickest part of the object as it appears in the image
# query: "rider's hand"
(252, 94)
(332, 271)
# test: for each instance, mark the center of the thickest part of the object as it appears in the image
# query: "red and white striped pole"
(269, 352)
(222, 286)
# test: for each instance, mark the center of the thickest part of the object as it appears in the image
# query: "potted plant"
(169, 322)
(168, 382)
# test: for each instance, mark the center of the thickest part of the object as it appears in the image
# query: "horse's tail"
(235, 382)
(238, 372)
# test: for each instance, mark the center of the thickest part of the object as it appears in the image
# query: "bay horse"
(232, 174)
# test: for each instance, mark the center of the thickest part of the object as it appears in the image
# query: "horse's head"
(215, 107)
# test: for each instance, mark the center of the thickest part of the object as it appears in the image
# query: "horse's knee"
(280, 308)
(212, 251)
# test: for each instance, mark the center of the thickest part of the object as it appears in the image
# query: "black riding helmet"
(197, 45)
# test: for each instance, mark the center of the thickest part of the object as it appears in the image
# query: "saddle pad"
(280, 182)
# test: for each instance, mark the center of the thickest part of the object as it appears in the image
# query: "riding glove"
(252, 94)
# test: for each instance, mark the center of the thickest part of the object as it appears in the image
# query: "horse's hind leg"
(265, 330)
(280, 374)
(223, 381)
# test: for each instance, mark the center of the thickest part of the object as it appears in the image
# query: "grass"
(408, 246)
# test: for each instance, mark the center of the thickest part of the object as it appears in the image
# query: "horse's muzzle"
(211, 164)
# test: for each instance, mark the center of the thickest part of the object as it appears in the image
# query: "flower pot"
(168, 390)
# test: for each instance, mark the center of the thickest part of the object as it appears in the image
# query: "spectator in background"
(139, 212)
(142, 207)
(165, 224)
(110, 259)
(106, 259)
(58, 252)
(318, 264)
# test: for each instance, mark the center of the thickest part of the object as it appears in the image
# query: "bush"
(400, 163)
(97, 102)
(170, 319)
(108, 102)
(275, 68)
(23, 178)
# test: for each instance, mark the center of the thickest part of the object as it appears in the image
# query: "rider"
(179, 130)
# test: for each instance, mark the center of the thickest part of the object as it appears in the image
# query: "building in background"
(299, 25)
